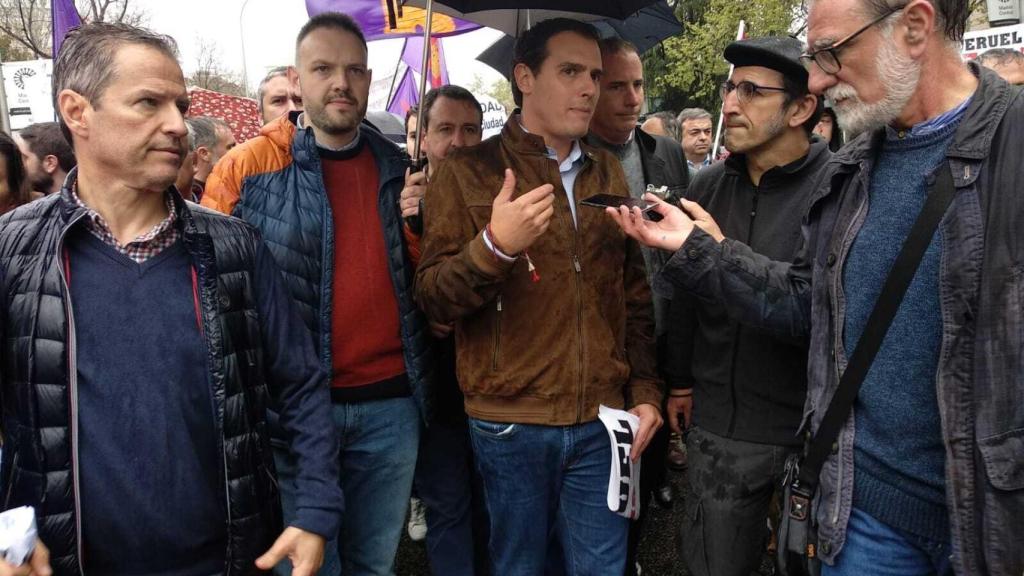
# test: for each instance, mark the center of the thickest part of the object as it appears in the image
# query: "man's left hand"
(650, 421)
(414, 190)
(304, 549)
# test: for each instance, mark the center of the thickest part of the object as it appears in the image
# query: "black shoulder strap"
(888, 303)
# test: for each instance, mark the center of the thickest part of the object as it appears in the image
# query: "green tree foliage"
(500, 90)
(689, 68)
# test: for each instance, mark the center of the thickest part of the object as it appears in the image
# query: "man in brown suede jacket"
(552, 309)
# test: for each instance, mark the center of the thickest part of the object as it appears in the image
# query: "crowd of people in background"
(431, 333)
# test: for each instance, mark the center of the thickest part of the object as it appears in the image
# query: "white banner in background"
(977, 42)
(28, 89)
(494, 115)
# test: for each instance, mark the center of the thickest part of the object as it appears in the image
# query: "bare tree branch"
(210, 74)
(28, 22)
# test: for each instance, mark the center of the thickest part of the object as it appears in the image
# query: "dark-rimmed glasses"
(828, 58)
(745, 90)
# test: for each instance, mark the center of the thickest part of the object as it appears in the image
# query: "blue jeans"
(379, 440)
(545, 483)
(452, 492)
(875, 548)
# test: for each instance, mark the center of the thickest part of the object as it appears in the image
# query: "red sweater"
(366, 343)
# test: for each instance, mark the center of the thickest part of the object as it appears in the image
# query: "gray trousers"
(731, 483)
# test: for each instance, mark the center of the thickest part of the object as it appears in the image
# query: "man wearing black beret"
(745, 386)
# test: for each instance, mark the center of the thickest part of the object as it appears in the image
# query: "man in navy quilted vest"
(143, 338)
(323, 187)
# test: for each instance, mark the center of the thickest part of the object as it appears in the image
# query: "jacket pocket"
(1003, 455)
(497, 335)
(496, 430)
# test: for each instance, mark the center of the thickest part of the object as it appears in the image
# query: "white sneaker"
(417, 526)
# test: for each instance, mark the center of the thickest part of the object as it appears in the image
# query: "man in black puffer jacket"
(142, 339)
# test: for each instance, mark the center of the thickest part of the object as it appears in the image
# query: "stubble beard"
(335, 125)
(775, 126)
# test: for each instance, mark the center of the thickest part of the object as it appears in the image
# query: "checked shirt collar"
(146, 246)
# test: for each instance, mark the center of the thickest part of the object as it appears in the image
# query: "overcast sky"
(269, 28)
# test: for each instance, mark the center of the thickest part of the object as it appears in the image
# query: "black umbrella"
(645, 29)
(511, 16)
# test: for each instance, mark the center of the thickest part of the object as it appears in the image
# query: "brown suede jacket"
(546, 352)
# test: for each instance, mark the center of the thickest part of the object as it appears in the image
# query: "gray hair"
(274, 73)
(693, 114)
(86, 60)
(191, 138)
(202, 130)
(669, 122)
(950, 15)
(1001, 57)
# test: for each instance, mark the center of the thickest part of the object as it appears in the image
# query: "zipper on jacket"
(72, 390)
(739, 328)
(497, 335)
(838, 343)
(326, 269)
(14, 478)
(573, 225)
(578, 269)
(222, 441)
(579, 323)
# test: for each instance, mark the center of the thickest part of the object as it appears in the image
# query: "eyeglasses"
(828, 58)
(745, 90)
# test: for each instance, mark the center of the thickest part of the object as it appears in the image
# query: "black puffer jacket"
(39, 422)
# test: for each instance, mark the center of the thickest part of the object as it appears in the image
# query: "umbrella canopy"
(239, 113)
(514, 16)
(388, 124)
(645, 30)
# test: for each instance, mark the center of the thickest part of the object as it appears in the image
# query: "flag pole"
(394, 78)
(5, 120)
(740, 33)
(423, 76)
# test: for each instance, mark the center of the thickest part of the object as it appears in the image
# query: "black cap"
(780, 53)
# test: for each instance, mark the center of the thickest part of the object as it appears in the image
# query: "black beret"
(780, 53)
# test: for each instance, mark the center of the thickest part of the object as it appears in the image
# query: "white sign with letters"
(28, 89)
(1004, 11)
(494, 115)
(978, 42)
(624, 476)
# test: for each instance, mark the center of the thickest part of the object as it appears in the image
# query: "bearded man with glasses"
(927, 473)
(746, 386)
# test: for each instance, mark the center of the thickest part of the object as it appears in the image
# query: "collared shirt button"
(692, 253)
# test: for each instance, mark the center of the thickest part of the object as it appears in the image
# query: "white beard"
(899, 75)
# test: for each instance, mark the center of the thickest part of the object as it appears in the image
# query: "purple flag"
(405, 96)
(64, 17)
(382, 19)
(412, 55)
